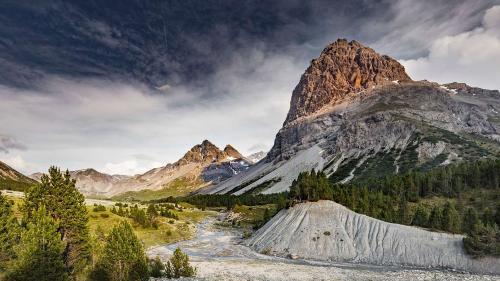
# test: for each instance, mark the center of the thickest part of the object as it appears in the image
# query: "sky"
(124, 91)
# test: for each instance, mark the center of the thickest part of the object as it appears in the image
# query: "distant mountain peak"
(257, 156)
(88, 171)
(207, 152)
(342, 68)
(232, 152)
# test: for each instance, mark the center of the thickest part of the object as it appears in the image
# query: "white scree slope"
(328, 231)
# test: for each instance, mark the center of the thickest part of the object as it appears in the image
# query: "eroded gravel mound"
(328, 231)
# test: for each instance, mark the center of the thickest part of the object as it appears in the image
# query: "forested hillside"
(443, 199)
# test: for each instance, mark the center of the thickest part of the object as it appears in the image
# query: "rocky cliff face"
(382, 123)
(343, 68)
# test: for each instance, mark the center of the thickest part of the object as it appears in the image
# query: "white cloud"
(129, 167)
(472, 57)
(408, 28)
(16, 161)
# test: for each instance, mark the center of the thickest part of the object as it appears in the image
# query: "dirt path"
(218, 254)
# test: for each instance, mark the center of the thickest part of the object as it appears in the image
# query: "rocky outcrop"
(206, 152)
(220, 171)
(328, 231)
(202, 165)
(342, 68)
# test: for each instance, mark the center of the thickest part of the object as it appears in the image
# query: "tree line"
(228, 200)
(388, 199)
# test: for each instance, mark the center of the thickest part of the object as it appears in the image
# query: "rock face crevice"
(328, 231)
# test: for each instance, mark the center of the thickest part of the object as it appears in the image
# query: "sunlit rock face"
(342, 68)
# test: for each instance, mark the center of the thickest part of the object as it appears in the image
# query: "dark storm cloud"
(174, 42)
(161, 42)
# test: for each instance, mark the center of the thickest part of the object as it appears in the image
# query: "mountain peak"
(207, 152)
(232, 152)
(207, 143)
(342, 68)
(87, 172)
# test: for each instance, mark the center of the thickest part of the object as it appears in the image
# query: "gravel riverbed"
(219, 255)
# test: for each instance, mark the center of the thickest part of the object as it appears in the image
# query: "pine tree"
(469, 221)
(267, 215)
(66, 205)
(488, 217)
(9, 231)
(151, 211)
(123, 257)
(483, 241)
(40, 252)
(435, 218)
(450, 219)
(157, 268)
(497, 215)
(178, 265)
(421, 217)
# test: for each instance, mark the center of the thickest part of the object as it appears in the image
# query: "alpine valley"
(373, 176)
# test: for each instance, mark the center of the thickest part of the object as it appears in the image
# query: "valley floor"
(218, 254)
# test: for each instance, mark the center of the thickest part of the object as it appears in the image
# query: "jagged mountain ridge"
(12, 179)
(203, 164)
(378, 126)
(206, 152)
(91, 181)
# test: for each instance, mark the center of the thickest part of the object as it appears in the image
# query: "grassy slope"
(9, 184)
(178, 187)
(19, 182)
(167, 232)
(181, 229)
